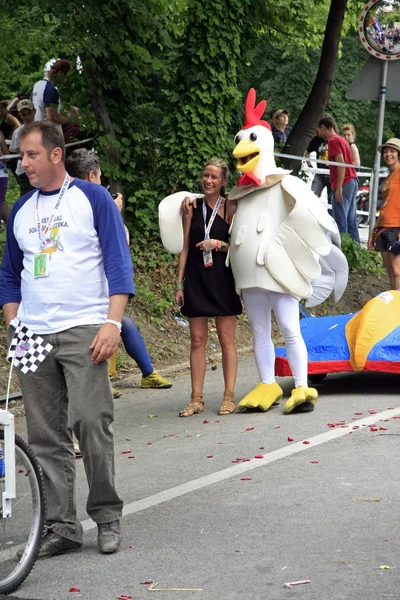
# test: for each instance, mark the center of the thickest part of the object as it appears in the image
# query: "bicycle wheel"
(24, 530)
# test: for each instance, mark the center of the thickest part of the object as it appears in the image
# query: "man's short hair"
(61, 66)
(52, 137)
(328, 122)
(81, 162)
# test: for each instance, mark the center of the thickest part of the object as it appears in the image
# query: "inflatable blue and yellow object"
(365, 341)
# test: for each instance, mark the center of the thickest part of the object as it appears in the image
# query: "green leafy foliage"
(359, 258)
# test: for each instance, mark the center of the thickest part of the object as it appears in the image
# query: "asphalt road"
(326, 511)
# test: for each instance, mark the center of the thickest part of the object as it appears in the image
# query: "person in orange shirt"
(386, 234)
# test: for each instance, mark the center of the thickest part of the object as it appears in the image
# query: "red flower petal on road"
(383, 428)
(358, 413)
(339, 423)
(314, 462)
(74, 589)
(350, 432)
(306, 442)
(290, 439)
(246, 460)
(245, 479)
(331, 424)
(396, 417)
(356, 427)
(258, 456)
(262, 448)
(343, 426)
(146, 582)
(372, 411)
(131, 457)
(21, 471)
(277, 427)
(205, 422)
(373, 429)
(235, 461)
(126, 451)
(210, 456)
(125, 596)
(355, 419)
(218, 421)
(249, 428)
(390, 408)
(149, 443)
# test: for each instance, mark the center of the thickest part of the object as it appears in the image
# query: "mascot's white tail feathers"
(170, 220)
(334, 275)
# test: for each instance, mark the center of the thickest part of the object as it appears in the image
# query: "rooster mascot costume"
(278, 236)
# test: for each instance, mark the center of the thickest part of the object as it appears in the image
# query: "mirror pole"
(373, 193)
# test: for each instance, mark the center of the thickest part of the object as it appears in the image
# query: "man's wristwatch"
(116, 323)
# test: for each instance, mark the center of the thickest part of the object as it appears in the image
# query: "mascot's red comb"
(254, 113)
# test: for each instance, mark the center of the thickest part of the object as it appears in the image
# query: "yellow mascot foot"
(263, 397)
(303, 399)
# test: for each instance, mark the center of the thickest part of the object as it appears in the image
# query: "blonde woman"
(206, 287)
(349, 133)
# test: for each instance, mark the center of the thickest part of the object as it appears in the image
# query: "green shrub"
(359, 258)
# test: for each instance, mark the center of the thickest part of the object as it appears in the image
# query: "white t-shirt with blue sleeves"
(89, 258)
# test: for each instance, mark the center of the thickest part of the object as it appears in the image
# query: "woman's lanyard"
(41, 263)
(207, 255)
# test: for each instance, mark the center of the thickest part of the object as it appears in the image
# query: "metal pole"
(373, 195)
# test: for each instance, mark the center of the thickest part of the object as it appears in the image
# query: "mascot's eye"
(253, 137)
(237, 139)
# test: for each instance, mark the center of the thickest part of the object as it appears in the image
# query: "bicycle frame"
(7, 421)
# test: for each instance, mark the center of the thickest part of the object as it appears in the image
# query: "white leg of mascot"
(283, 247)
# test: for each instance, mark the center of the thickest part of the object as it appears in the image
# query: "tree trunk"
(304, 128)
(100, 109)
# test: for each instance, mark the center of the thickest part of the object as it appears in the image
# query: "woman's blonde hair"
(221, 164)
(349, 127)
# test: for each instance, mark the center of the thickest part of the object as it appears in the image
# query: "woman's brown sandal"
(228, 405)
(195, 406)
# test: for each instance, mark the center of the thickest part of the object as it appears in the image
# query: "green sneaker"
(116, 393)
(154, 380)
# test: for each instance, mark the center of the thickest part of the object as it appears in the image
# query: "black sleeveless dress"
(209, 291)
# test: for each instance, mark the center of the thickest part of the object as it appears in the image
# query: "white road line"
(238, 469)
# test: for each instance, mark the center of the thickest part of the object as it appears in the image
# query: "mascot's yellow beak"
(248, 155)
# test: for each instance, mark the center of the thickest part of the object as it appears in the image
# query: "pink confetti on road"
(331, 424)
(396, 417)
(290, 439)
(217, 421)
(258, 456)
(74, 589)
(314, 462)
(306, 442)
(358, 413)
(373, 429)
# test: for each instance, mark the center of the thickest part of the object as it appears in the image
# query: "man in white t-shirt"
(26, 112)
(66, 275)
(46, 97)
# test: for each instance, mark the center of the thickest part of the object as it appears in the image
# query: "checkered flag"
(27, 350)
